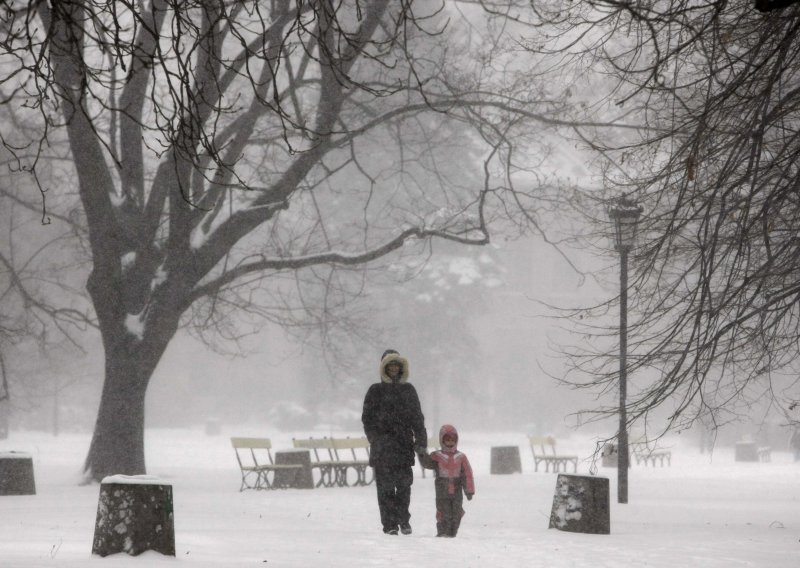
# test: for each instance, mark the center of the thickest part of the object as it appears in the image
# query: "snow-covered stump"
(505, 459)
(134, 514)
(580, 504)
(16, 474)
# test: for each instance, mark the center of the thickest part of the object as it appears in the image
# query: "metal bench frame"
(643, 453)
(539, 445)
(334, 457)
(345, 462)
(254, 456)
(322, 458)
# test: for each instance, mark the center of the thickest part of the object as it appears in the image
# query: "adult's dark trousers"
(394, 495)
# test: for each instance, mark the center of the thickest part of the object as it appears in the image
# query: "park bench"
(322, 458)
(543, 449)
(764, 453)
(354, 455)
(256, 464)
(643, 453)
(333, 457)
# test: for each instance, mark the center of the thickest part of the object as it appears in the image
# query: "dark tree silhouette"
(714, 296)
(233, 157)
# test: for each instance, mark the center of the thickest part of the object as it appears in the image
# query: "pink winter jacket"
(450, 464)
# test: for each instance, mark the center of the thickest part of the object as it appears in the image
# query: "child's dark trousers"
(449, 511)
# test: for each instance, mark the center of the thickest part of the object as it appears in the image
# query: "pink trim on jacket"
(450, 465)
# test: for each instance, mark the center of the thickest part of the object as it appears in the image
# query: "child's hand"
(469, 496)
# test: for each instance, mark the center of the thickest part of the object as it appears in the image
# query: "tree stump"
(16, 474)
(296, 478)
(134, 514)
(213, 427)
(746, 452)
(609, 455)
(580, 504)
(505, 459)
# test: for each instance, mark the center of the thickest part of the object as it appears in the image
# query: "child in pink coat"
(453, 479)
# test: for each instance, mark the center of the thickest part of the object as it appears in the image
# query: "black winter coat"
(393, 423)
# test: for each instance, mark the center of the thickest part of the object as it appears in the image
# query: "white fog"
(574, 223)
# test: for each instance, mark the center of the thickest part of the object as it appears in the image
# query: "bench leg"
(328, 478)
(361, 471)
(246, 483)
(341, 476)
(324, 477)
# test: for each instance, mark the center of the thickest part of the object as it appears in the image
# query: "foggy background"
(485, 339)
(473, 322)
(474, 326)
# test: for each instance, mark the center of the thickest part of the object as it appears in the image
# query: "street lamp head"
(625, 213)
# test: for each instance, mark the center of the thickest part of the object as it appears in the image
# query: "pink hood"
(447, 429)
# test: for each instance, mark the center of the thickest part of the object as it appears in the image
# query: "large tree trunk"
(118, 441)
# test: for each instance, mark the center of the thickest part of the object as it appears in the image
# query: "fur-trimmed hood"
(394, 358)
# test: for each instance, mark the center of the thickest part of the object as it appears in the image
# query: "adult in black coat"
(395, 427)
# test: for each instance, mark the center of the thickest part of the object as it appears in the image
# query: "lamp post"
(625, 215)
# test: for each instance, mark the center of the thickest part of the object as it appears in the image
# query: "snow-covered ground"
(700, 512)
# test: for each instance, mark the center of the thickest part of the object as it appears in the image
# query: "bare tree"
(716, 89)
(254, 157)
